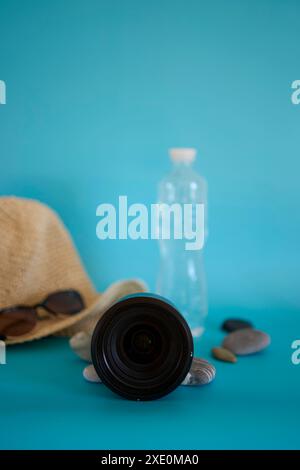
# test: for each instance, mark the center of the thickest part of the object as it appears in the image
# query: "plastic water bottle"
(182, 276)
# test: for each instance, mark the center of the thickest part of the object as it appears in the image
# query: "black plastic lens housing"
(142, 348)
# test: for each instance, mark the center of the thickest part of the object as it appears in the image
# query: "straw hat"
(38, 258)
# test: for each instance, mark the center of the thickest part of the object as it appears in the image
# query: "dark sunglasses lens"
(64, 302)
(17, 322)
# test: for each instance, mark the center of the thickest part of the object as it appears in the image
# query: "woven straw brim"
(67, 325)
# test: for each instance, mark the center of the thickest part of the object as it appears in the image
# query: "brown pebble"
(224, 355)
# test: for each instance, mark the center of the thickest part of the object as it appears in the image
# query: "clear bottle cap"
(183, 154)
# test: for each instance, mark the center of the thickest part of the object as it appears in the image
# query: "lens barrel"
(142, 348)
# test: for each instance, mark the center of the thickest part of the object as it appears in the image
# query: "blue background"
(97, 91)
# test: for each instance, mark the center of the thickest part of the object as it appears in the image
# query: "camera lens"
(142, 344)
(142, 347)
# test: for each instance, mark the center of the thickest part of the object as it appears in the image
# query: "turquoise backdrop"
(97, 91)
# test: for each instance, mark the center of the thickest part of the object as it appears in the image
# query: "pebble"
(81, 345)
(224, 355)
(201, 373)
(246, 341)
(234, 324)
(90, 374)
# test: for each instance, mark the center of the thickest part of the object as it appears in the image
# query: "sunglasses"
(21, 319)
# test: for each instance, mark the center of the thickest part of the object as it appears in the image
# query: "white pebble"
(90, 374)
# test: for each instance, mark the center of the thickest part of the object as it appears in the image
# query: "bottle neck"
(182, 167)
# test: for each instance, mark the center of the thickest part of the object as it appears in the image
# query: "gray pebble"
(246, 341)
(201, 373)
(90, 374)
